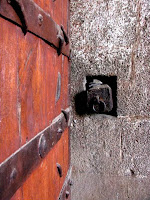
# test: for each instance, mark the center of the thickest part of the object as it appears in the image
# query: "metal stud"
(40, 19)
(9, 1)
(42, 146)
(67, 194)
(59, 130)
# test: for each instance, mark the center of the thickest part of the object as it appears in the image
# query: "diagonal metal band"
(65, 192)
(30, 17)
(16, 169)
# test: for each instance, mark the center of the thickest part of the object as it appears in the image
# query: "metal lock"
(99, 97)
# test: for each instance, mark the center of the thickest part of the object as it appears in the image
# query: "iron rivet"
(42, 146)
(70, 182)
(40, 19)
(59, 130)
(67, 194)
(13, 175)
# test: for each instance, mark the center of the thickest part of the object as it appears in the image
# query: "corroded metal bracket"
(16, 169)
(99, 97)
(65, 193)
(30, 17)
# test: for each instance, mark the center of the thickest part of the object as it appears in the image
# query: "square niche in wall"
(111, 81)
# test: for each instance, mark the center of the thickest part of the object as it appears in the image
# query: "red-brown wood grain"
(28, 82)
(46, 5)
(45, 183)
(9, 129)
(10, 137)
(65, 8)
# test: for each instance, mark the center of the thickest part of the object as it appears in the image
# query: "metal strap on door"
(16, 169)
(31, 18)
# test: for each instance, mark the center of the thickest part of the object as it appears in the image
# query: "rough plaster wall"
(111, 156)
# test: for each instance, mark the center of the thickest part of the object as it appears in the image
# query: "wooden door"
(34, 100)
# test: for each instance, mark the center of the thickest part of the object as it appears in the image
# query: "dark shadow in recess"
(81, 103)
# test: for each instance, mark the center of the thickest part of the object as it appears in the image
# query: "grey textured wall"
(111, 155)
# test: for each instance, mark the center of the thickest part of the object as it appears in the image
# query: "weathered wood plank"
(9, 129)
(9, 108)
(45, 183)
(28, 83)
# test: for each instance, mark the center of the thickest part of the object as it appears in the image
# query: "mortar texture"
(111, 155)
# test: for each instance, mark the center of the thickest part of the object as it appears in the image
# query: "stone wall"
(111, 155)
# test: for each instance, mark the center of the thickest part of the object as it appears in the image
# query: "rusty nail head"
(67, 194)
(40, 19)
(60, 130)
(70, 182)
(42, 146)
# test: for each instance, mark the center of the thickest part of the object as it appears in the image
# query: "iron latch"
(99, 97)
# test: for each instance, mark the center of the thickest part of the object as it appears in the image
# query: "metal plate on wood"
(28, 15)
(65, 193)
(15, 170)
